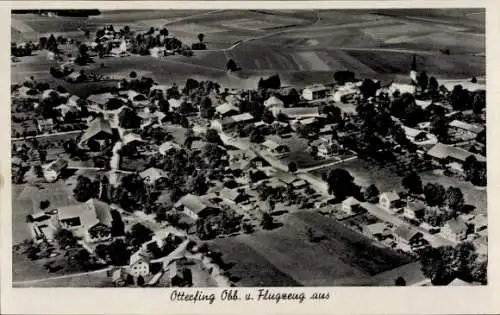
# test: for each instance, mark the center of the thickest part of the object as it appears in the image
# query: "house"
(411, 274)
(405, 86)
(315, 92)
(52, 170)
(64, 109)
(119, 277)
(276, 145)
(73, 101)
(273, 102)
(414, 210)
(167, 146)
(158, 52)
(45, 125)
(227, 109)
(350, 205)
(232, 195)
(408, 237)
(465, 130)
(443, 153)
(480, 223)
(139, 264)
(297, 112)
(390, 201)
(90, 220)
(179, 275)
(100, 99)
(98, 135)
(423, 103)
(152, 175)
(76, 77)
(455, 229)
(327, 149)
(195, 206)
(419, 137)
(378, 230)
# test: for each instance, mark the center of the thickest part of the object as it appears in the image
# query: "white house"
(52, 170)
(315, 92)
(350, 204)
(455, 229)
(390, 201)
(273, 102)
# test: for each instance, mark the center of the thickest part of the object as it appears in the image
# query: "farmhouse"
(76, 77)
(152, 175)
(455, 229)
(315, 92)
(444, 153)
(419, 137)
(45, 125)
(273, 102)
(167, 146)
(100, 99)
(378, 230)
(98, 136)
(423, 103)
(465, 130)
(232, 121)
(298, 112)
(227, 109)
(52, 170)
(195, 206)
(414, 210)
(232, 195)
(350, 205)
(276, 145)
(408, 237)
(390, 201)
(90, 220)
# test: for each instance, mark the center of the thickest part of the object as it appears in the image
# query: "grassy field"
(342, 254)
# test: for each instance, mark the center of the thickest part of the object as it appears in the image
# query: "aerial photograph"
(248, 148)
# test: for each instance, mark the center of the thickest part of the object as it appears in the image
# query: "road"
(48, 135)
(62, 277)
(434, 239)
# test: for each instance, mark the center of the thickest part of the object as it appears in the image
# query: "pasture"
(341, 254)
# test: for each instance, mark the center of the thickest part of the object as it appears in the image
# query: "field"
(343, 254)
(304, 47)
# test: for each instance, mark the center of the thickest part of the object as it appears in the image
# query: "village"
(146, 180)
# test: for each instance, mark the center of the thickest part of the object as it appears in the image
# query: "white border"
(428, 300)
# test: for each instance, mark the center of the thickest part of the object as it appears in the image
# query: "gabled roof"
(57, 165)
(226, 108)
(194, 203)
(456, 225)
(351, 201)
(316, 87)
(91, 212)
(296, 112)
(96, 126)
(423, 103)
(273, 101)
(375, 228)
(391, 196)
(443, 151)
(153, 174)
(131, 137)
(229, 194)
(100, 99)
(273, 142)
(241, 117)
(406, 232)
(166, 146)
(415, 206)
(466, 126)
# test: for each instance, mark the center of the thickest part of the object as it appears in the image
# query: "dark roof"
(443, 151)
(406, 232)
(96, 126)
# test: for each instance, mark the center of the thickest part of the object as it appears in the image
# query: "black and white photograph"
(260, 148)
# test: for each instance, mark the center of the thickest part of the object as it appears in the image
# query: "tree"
(267, 222)
(437, 264)
(460, 98)
(140, 234)
(44, 204)
(82, 258)
(65, 238)
(433, 84)
(439, 127)
(368, 88)
(479, 102)
(101, 251)
(400, 282)
(268, 117)
(292, 167)
(85, 189)
(413, 183)
(343, 76)
(479, 272)
(118, 253)
(201, 36)
(434, 194)
(454, 198)
(212, 136)
(231, 65)
(372, 193)
(117, 225)
(133, 75)
(128, 119)
(340, 183)
(140, 281)
(256, 136)
(423, 80)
